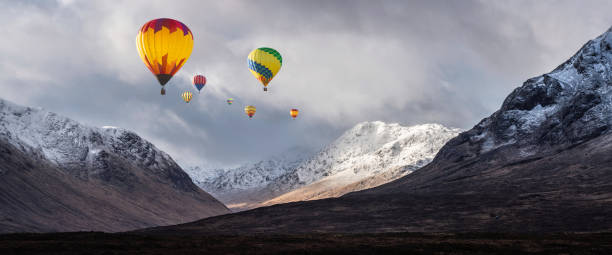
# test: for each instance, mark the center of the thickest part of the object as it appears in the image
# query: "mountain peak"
(366, 155)
(71, 144)
(77, 177)
(567, 106)
(368, 136)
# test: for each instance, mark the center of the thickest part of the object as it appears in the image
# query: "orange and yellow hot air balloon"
(250, 110)
(294, 113)
(187, 96)
(164, 45)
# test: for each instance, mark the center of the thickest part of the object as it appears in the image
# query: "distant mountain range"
(247, 186)
(367, 155)
(541, 163)
(59, 175)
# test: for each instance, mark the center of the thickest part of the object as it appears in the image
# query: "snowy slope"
(569, 105)
(59, 175)
(71, 144)
(367, 155)
(249, 176)
(238, 187)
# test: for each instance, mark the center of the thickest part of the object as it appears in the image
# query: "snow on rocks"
(67, 143)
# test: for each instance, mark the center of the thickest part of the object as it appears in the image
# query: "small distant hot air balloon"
(250, 110)
(199, 81)
(164, 45)
(294, 113)
(264, 64)
(230, 101)
(187, 96)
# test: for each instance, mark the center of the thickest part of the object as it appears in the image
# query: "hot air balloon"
(264, 64)
(250, 110)
(164, 45)
(230, 101)
(294, 113)
(199, 81)
(187, 96)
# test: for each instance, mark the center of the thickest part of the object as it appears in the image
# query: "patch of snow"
(487, 145)
(535, 116)
(566, 77)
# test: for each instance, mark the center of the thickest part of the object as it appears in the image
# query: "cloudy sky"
(344, 62)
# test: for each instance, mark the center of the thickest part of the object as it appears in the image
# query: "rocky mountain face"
(59, 175)
(567, 106)
(551, 113)
(543, 162)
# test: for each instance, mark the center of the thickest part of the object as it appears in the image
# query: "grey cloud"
(411, 62)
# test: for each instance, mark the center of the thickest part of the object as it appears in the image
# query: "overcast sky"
(344, 62)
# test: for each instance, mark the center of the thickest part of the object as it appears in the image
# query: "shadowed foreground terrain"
(413, 243)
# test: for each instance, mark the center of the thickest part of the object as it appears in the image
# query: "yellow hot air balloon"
(294, 113)
(187, 96)
(264, 64)
(250, 110)
(164, 45)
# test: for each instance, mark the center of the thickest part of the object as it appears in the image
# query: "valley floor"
(400, 243)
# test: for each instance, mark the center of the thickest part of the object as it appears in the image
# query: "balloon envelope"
(230, 101)
(264, 64)
(199, 81)
(164, 45)
(187, 96)
(249, 110)
(294, 113)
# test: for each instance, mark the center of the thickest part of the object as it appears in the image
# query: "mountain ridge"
(368, 150)
(59, 175)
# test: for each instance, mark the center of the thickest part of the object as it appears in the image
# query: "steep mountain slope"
(59, 175)
(548, 114)
(541, 163)
(367, 155)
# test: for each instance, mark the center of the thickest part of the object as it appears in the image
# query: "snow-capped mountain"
(242, 186)
(367, 155)
(72, 145)
(565, 107)
(127, 180)
(250, 175)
